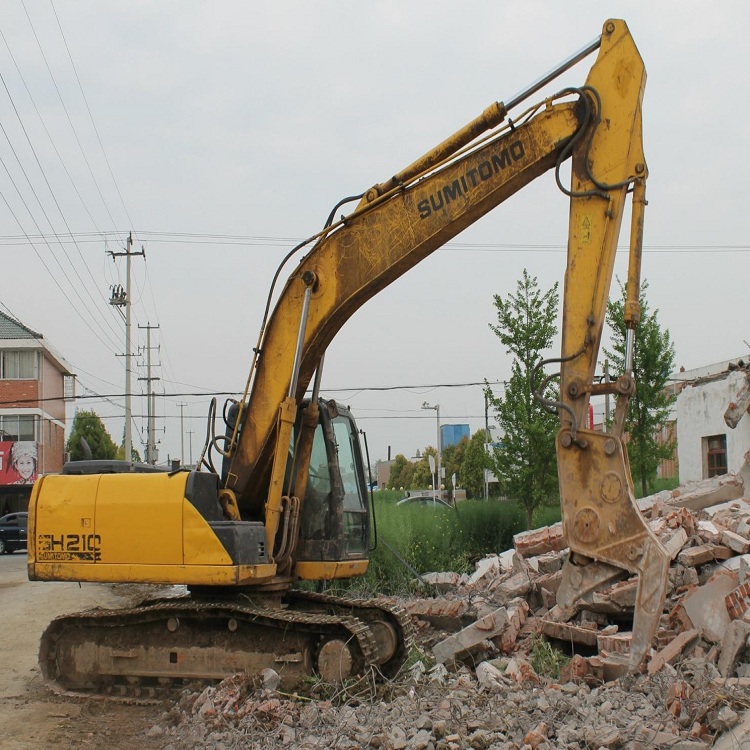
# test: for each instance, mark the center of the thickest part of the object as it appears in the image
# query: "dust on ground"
(31, 716)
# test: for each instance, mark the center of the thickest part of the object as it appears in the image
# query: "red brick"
(738, 601)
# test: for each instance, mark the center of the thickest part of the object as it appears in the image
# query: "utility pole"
(150, 400)
(182, 435)
(122, 299)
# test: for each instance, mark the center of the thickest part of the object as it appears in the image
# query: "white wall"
(700, 413)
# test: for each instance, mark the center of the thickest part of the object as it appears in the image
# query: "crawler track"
(161, 646)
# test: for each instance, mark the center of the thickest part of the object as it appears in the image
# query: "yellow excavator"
(289, 501)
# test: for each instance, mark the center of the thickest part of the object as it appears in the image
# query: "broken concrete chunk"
(446, 614)
(511, 588)
(672, 650)
(675, 542)
(735, 542)
(550, 562)
(488, 675)
(443, 582)
(706, 606)
(617, 643)
(520, 670)
(489, 566)
(623, 593)
(540, 541)
(739, 404)
(709, 532)
(702, 554)
(569, 633)
(471, 636)
(517, 613)
(734, 641)
(700, 495)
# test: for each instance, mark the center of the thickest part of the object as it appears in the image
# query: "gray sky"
(222, 133)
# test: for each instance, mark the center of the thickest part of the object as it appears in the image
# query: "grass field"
(416, 538)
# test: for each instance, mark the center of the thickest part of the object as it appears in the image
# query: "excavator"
(289, 502)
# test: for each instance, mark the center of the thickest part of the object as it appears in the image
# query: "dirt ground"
(30, 715)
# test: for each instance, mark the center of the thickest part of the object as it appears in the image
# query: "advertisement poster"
(18, 462)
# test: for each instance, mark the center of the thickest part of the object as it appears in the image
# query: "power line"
(267, 241)
(91, 117)
(52, 193)
(57, 283)
(67, 114)
(203, 394)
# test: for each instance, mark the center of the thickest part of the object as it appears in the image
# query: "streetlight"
(437, 485)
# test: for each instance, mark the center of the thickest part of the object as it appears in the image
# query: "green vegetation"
(650, 406)
(546, 659)
(88, 425)
(435, 538)
(526, 463)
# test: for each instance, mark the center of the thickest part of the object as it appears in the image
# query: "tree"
(452, 458)
(134, 454)
(525, 464)
(422, 477)
(650, 405)
(397, 470)
(475, 461)
(88, 425)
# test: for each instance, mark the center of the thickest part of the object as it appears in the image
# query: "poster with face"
(18, 462)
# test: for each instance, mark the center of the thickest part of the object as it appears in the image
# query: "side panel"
(139, 518)
(62, 520)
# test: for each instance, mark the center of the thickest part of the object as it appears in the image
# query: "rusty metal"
(602, 522)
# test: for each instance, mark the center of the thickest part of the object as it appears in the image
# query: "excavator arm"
(400, 222)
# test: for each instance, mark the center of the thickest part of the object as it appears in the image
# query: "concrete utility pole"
(182, 434)
(122, 299)
(150, 399)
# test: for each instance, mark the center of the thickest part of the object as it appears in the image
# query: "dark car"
(13, 532)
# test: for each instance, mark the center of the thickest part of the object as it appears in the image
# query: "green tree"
(422, 477)
(134, 454)
(399, 469)
(475, 461)
(525, 465)
(88, 425)
(452, 458)
(650, 406)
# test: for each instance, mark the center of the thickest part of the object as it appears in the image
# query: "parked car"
(13, 529)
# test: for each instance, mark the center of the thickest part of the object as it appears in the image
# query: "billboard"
(18, 462)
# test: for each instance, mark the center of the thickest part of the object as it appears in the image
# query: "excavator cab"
(325, 524)
(335, 522)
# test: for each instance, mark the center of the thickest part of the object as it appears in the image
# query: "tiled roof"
(12, 329)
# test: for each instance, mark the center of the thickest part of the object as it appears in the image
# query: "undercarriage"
(163, 645)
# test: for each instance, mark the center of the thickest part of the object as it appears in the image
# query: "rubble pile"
(706, 530)
(480, 683)
(483, 710)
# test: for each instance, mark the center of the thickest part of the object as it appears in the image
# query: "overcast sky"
(222, 133)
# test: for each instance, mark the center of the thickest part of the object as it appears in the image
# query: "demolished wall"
(700, 413)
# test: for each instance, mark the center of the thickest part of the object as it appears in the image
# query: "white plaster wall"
(700, 413)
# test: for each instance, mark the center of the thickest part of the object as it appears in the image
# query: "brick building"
(35, 381)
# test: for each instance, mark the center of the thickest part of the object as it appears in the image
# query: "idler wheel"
(335, 661)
